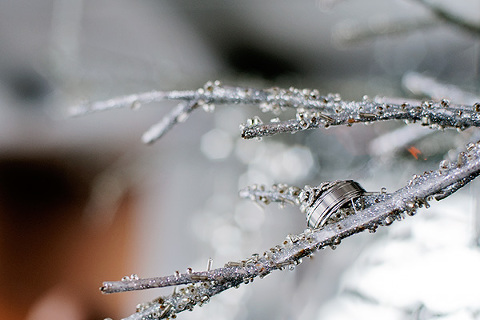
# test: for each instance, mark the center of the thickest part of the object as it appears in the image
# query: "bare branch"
(378, 210)
(375, 28)
(423, 85)
(281, 193)
(356, 33)
(312, 110)
(451, 18)
(438, 115)
(131, 101)
(178, 114)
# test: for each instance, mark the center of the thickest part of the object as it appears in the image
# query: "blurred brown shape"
(53, 259)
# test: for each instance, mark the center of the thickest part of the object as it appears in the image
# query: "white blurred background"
(155, 209)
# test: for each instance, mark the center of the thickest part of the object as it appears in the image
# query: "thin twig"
(178, 114)
(423, 85)
(356, 33)
(451, 18)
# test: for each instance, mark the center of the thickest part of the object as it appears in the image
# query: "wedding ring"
(331, 198)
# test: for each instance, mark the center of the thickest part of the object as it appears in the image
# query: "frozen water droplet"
(257, 121)
(379, 110)
(383, 190)
(134, 276)
(426, 121)
(470, 146)
(314, 94)
(306, 91)
(427, 205)
(208, 107)
(208, 86)
(126, 278)
(476, 107)
(410, 205)
(209, 264)
(291, 267)
(411, 212)
(443, 165)
(288, 240)
(388, 220)
(427, 104)
(461, 159)
(444, 103)
(183, 116)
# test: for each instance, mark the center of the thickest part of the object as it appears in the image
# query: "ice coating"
(379, 210)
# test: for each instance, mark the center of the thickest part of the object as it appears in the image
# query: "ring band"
(330, 200)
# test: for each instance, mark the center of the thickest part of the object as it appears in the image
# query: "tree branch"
(451, 18)
(423, 85)
(378, 211)
(312, 109)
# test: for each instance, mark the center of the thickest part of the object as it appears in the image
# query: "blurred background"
(83, 201)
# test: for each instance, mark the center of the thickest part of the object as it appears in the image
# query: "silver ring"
(331, 198)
